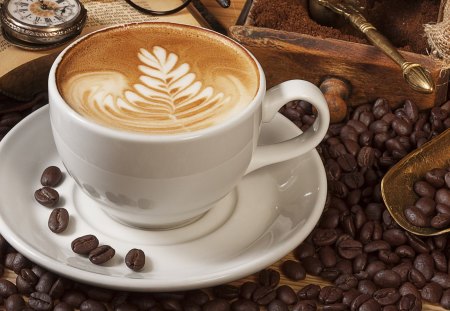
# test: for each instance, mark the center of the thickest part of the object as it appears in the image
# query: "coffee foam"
(158, 79)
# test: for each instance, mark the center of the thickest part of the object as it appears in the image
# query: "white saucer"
(270, 212)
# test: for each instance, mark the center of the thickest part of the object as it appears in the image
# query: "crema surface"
(157, 78)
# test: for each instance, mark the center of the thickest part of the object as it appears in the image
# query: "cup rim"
(138, 136)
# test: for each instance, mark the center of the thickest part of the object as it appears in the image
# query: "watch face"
(44, 12)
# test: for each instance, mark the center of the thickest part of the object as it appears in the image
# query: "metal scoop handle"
(415, 75)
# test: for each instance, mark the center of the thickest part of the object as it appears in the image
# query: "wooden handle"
(336, 91)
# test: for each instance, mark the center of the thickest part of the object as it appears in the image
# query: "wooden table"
(228, 17)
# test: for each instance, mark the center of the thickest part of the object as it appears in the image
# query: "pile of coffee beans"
(432, 208)
(370, 262)
(373, 263)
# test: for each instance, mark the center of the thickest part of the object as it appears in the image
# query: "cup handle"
(277, 97)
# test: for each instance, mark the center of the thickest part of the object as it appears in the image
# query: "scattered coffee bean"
(40, 301)
(92, 305)
(269, 277)
(47, 196)
(432, 292)
(135, 259)
(101, 254)
(58, 220)
(309, 292)
(15, 302)
(51, 176)
(84, 244)
(293, 270)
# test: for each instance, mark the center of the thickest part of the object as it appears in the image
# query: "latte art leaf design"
(168, 97)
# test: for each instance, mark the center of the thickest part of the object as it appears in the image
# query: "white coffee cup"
(165, 181)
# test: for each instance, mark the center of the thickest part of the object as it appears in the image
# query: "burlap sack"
(438, 35)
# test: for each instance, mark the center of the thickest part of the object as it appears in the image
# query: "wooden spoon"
(397, 184)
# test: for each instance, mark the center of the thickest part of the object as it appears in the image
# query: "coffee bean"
(305, 250)
(348, 132)
(443, 209)
(277, 305)
(14, 302)
(62, 306)
(263, 295)
(349, 296)
(410, 303)
(403, 269)
(312, 265)
(440, 261)
(309, 292)
(330, 294)
(424, 189)
(333, 170)
(92, 305)
(226, 291)
(443, 196)
(424, 263)
(331, 274)
(58, 220)
(432, 292)
(411, 111)
(376, 246)
(346, 282)
(73, 298)
(51, 176)
(443, 279)
(269, 277)
(16, 262)
(388, 257)
(359, 301)
(380, 108)
(426, 205)
(101, 254)
(287, 295)
(26, 281)
(84, 244)
(435, 177)
(370, 305)
(246, 290)
(47, 196)
(349, 249)
(347, 162)
(359, 263)
(440, 221)
(323, 237)
(329, 220)
(293, 270)
(387, 278)
(135, 259)
(7, 288)
(416, 243)
(244, 305)
(415, 216)
(305, 305)
(328, 256)
(366, 287)
(40, 301)
(395, 237)
(401, 127)
(351, 146)
(408, 288)
(416, 278)
(386, 296)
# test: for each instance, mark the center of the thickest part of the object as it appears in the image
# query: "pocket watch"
(41, 24)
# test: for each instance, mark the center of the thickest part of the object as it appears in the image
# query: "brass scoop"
(415, 75)
(397, 184)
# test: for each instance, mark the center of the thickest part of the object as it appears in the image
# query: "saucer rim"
(221, 276)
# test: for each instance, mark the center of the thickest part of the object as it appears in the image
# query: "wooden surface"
(228, 17)
(286, 55)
